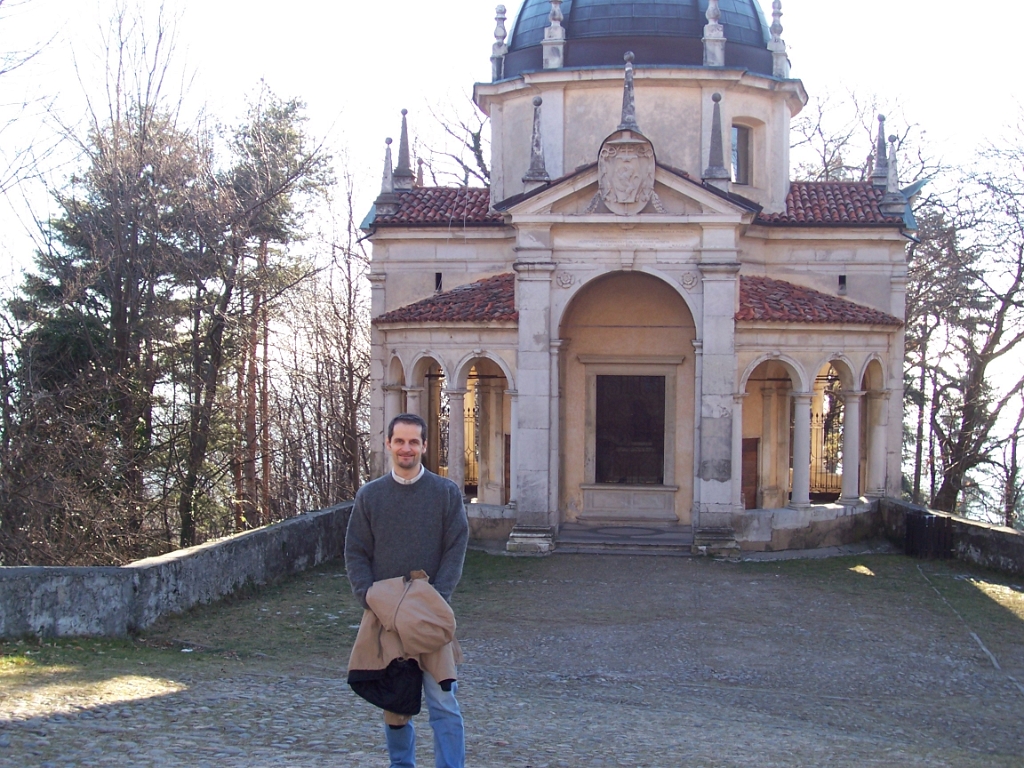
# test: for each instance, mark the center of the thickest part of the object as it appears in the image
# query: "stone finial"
(716, 174)
(780, 59)
(538, 173)
(403, 171)
(880, 173)
(628, 98)
(419, 172)
(387, 200)
(554, 37)
(714, 37)
(894, 202)
(499, 50)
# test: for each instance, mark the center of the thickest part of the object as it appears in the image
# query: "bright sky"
(356, 64)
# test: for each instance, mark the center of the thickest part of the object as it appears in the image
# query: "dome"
(659, 32)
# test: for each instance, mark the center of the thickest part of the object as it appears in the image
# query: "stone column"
(769, 460)
(485, 465)
(392, 403)
(801, 494)
(877, 418)
(414, 400)
(851, 447)
(713, 529)
(457, 437)
(513, 459)
(535, 519)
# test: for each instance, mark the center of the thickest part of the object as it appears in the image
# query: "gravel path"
(610, 661)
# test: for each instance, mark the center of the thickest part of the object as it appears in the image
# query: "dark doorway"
(630, 430)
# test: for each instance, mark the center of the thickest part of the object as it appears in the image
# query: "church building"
(643, 326)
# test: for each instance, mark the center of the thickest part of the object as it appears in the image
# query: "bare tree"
(22, 159)
(834, 138)
(323, 403)
(461, 154)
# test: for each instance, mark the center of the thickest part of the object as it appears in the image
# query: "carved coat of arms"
(625, 171)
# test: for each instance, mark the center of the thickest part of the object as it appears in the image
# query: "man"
(411, 519)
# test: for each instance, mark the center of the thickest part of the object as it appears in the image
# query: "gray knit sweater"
(395, 529)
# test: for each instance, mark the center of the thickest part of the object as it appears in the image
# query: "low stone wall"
(820, 525)
(989, 546)
(113, 602)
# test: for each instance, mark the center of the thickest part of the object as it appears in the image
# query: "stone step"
(625, 538)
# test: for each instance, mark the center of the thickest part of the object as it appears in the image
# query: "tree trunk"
(201, 415)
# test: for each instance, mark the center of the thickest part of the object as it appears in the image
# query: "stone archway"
(486, 439)
(626, 374)
(427, 396)
(767, 450)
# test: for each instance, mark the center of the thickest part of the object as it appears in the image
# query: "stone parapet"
(115, 602)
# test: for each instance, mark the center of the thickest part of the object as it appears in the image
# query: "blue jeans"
(445, 719)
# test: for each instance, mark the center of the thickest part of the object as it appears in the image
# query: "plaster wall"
(674, 110)
(411, 266)
(870, 262)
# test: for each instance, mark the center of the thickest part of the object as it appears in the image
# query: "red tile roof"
(490, 299)
(442, 206)
(767, 300)
(761, 299)
(832, 203)
(808, 204)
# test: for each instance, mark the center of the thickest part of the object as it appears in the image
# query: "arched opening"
(428, 397)
(626, 372)
(487, 433)
(767, 451)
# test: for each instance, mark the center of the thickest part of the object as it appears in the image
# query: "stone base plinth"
(531, 540)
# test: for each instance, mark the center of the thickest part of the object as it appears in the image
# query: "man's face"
(406, 446)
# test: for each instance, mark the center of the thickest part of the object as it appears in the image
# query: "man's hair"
(408, 418)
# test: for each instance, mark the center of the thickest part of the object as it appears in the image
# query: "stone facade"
(639, 339)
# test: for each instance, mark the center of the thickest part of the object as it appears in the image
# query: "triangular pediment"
(579, 194)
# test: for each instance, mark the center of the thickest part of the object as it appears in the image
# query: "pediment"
(579, 195)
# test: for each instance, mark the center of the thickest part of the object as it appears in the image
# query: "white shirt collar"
(403, 481)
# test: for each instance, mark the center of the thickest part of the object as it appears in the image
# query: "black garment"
(397, 688)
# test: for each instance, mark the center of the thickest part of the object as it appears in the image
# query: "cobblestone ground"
(596, 661)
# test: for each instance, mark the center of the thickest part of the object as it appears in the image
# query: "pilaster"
(536, 519)
(716, 480)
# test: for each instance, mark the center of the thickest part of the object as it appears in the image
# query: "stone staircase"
(634, 537)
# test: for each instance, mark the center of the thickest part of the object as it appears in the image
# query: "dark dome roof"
(599, 32)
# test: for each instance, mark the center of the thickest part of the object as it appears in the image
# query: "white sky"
(357, 63)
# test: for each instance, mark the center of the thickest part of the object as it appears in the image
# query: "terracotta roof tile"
(832, 203)
(491, 299)
(764, 299)
(761, 299)
(442, 206)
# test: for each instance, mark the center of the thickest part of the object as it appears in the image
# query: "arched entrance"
(428, 397)
(767, 465)
(486, 432)
(626, 373)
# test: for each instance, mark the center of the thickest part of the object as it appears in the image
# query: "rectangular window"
(630, 430)
(740, 154)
